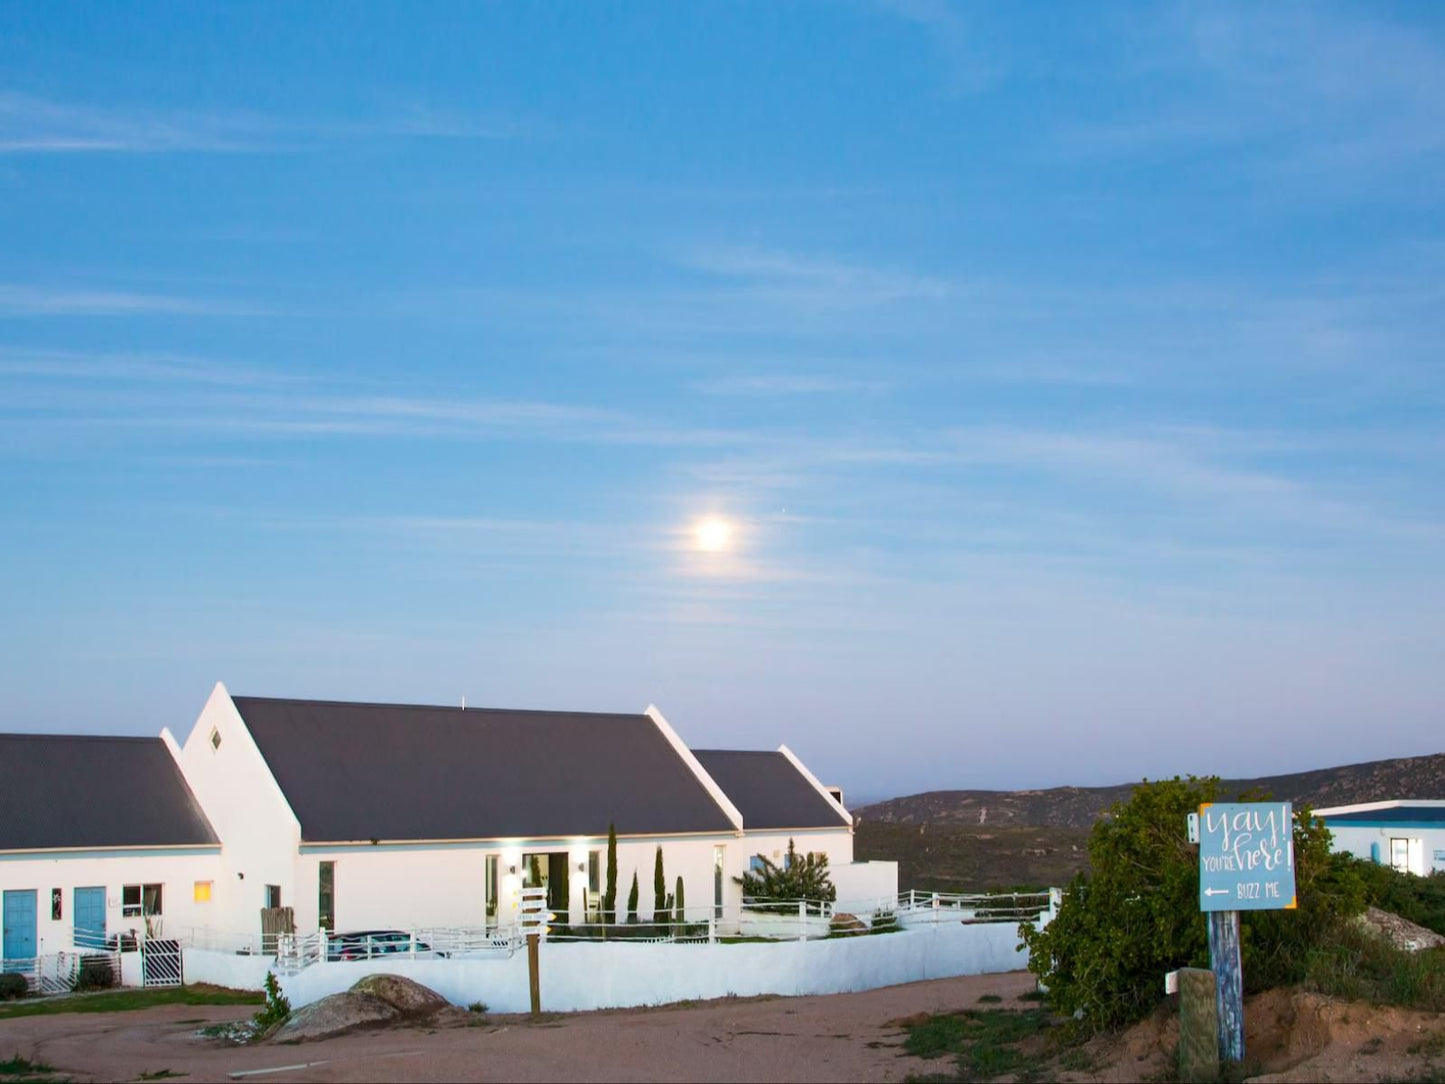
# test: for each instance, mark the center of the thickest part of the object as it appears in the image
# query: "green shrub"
(609, 897)
(681, 898)
(803, 878)
(13, 986)
(95, 973)
(660, 906)
(1420, 900)
(632, 902)
(277, 1009)
(1137, 917)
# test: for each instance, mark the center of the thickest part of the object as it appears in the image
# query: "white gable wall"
(259, 833)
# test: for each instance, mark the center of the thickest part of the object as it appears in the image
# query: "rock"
(335, 1015)
(410, 998)
(1400, 932)
(375, 1001)
(844, 923)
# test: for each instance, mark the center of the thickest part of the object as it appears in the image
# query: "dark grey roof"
(768, 790)
(65, 791)
(357, 772)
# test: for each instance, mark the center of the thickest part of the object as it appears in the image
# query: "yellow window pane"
(203, 891)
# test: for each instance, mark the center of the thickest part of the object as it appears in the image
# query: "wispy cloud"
(973, 62)
(33, 125)
(819, 281)
(1296, 90)
(18, 361)
(18, 299)
(785, 384)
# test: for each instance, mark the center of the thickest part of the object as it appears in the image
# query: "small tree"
(609, 898)
(779, 890)
(632, 902)
(660, 905)
(681, 905)
(1138, 915)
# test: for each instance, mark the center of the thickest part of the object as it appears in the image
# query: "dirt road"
(844, 1037)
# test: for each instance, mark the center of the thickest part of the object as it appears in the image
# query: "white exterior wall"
(177, 870)
(586, 976)
(259, 834)
(1427, 845)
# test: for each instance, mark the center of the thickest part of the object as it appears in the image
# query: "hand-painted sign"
(1246, 856)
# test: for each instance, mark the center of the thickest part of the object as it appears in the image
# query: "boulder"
(375, 1001)
(411, 999)
(335, 1015)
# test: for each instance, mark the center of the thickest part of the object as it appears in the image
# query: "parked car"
(369, 944)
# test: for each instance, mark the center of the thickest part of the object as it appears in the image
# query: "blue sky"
(1072, 378)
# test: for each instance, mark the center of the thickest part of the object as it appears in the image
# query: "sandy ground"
(843, 1037)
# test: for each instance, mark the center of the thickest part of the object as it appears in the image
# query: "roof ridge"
(736, 752)
(78, 737)
(436, 707)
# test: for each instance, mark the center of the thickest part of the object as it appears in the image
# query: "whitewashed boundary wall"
(229, 969)
(583, 976)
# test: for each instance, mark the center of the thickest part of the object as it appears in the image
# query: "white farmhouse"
(384, 816)
(1406, 834)
(101, 839)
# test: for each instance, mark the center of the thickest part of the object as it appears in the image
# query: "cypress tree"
(659, 888)
(681, 904)
(632, 901)
(609, 899)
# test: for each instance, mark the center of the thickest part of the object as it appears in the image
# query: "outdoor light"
(512, 870)
(581, 867)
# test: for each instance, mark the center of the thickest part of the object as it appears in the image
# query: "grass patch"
(1033, 995)
(159, 1074)
(989, 999)
(1360, 966)
(18, 1066)
(985, 1043)
(132, 1000)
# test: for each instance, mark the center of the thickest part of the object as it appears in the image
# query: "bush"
(1118, 932)
(803, 878)
(1420, 900)
(609, 895)
(96, 973)
(277, 1009)
(12, 986)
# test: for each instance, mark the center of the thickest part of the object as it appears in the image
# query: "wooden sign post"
(534, 916)
(1246, 863)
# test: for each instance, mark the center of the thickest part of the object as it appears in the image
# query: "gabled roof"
(359, 772)
(66, 791)
(769, 790)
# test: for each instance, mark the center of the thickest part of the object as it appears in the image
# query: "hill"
(1080, 807)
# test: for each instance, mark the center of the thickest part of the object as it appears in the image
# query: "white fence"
(578, 976)
(62, 972)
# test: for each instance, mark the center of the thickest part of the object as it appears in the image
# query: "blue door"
(90, 918)
(19, 920)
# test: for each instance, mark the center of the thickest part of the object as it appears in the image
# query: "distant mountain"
(1079, 807)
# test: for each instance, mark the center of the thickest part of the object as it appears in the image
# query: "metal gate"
(160, 963)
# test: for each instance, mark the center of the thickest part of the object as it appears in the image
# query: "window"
(1400, 854)
(57, 904)
(594, 871)
(215, 738)
(757, 863)
(202, 892)
(489, 877)
(137, 900)
(273, 895)
(326, 896)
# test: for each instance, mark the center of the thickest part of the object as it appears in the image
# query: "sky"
(1070, 379)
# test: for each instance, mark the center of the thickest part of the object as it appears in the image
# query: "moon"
(713, 534)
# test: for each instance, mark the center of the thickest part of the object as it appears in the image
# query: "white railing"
(61, 972)
(979, 907)
(768, 919)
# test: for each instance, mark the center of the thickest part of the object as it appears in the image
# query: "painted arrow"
(1216, 891)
